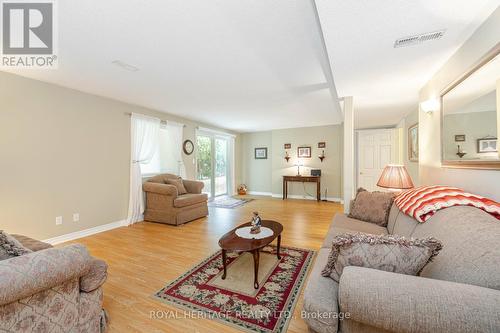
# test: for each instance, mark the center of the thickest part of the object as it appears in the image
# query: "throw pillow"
(10, 247)
(179, 184)
(389, 253)
(372, 207)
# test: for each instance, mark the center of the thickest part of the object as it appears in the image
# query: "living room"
(247, 166)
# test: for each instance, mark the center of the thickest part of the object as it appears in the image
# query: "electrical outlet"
(59, 220)
(76, 217)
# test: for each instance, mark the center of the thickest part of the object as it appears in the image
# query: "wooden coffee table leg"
(224, 263)
(279, 245)
(256, 257)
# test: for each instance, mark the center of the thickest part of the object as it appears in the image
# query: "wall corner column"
(349, 169)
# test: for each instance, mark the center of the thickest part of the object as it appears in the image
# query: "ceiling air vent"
(125, 66)
(417, 39)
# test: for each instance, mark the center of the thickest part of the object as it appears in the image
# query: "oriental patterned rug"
(234, 301)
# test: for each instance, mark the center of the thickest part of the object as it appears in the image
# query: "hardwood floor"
(144, 257)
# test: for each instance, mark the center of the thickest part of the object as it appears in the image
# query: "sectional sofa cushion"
(372, 207)
(342, 224)
(389, 253)
(471, 249)
(320, 298)
(10, 247)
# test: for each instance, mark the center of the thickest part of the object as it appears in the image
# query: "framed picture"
(487, 145)
(261, 153)
(321, 144)
(288, 145)
(413, 143)
(460, 138)
(304, 152)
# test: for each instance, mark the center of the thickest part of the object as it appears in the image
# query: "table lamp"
(395, 177)
(298, 165)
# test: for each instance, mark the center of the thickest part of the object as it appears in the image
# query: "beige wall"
(483, 182)
(266, 175)
(474, 125)
(412, 167)
(62, 152)
(257, 173)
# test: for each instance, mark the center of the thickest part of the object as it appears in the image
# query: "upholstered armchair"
(164, 203)
(52, 290)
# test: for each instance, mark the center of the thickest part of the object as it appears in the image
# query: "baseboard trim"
(87, 232)
(293, 196)
(301, 197)
(267, 194)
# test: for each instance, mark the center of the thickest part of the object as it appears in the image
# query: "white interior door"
(376, 149)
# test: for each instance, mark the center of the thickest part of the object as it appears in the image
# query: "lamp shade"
(395, 176)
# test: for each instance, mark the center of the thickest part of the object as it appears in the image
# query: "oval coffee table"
(232, 242)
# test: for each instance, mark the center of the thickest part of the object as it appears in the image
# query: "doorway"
(375, 149)
(212, 163)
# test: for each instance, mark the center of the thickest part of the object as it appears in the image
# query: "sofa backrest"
(471, 244)
(400, 223)
(162, 178)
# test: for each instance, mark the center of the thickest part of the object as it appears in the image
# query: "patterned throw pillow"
(388, 253)
(10, 247)
(372, 207)
(179, 184)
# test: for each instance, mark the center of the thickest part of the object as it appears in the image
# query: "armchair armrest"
(404, 303)
(29, 274)
(159, 188)
(193, 186)
(96, 276)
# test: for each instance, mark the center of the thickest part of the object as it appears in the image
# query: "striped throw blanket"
(423, 202)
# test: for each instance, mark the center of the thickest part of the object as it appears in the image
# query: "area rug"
(228, 202)
(234, 301)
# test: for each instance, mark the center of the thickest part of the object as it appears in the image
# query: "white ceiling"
(385, 81)
(251, 65)
(242, 65)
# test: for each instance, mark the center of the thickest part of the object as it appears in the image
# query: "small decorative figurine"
(256, 223)
(242, 189)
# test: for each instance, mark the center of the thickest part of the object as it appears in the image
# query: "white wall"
(483, 182)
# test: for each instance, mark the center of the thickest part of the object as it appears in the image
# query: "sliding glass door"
(212, 163)
(221, 171)
(204, 162)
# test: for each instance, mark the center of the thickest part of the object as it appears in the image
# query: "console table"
(302, 179)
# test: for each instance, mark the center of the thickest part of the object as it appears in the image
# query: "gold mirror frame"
(488, 165)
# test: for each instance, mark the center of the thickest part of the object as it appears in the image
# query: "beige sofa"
(165, 205)
(458, 292)
(52, 290)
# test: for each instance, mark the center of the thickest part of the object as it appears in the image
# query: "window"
(165, 159)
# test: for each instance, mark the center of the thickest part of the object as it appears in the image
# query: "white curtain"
(232, 166)
(175, 164)
(144, 141)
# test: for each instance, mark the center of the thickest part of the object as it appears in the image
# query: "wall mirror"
(470, 120)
